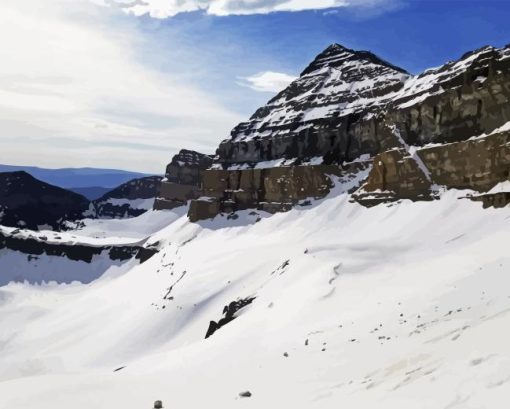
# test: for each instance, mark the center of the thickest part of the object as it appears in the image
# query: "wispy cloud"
(267, 81)
(169, 8)
(71, 78)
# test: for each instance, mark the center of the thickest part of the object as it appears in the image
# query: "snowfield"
(396, 306)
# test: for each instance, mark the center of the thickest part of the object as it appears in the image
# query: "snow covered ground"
(134, 228)
(42, 268)
(397, 306)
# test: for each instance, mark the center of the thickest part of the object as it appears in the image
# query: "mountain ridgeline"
(30, 203)
(27, 202)
(350, 119)
(351, 115)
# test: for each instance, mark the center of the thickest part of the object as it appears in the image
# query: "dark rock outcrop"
(33, 244)
(130, 199)
(183, 179)
(29, 203)
(229, 312)
(496, 200)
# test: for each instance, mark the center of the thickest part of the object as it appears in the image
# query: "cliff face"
(271, 190)
(353, 107)
(183, 179)
(477, 163)
(337, 110)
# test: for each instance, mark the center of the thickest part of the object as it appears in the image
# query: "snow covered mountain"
(350, 111)
(339, 81)
(347, 247)
(336, 109)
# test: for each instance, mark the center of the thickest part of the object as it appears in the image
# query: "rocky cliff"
(183, 179)
(446, 126)
(340, 105)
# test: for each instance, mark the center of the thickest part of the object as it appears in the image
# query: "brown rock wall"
(477, 164)
(273, 189)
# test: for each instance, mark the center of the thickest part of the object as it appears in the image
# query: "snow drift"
(395, 306)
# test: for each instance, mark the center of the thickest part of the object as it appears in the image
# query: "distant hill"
(73, 178)
(91, 193)
(28, 202)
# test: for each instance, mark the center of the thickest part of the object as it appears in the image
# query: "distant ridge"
(92, 192)
(30, 203)
(76, 178)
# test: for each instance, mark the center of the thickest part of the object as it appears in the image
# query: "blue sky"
(112, 83)
(415, 35)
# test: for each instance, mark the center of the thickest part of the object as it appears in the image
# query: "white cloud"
(267, 81)
(169, 8)
(73, 92)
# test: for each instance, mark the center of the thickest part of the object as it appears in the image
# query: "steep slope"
(390, 307)
(339, 106)
(338, 82)
(28, 202)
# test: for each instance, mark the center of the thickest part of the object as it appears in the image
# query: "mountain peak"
(336, 56)
(335, 47)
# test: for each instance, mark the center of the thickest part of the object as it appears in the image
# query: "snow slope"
(396, 306)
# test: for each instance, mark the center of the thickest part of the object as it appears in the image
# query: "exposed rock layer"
(183, 179)
(271, 190)
(339, 105)
(346, 107)
(478, 164)
(33, 245)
